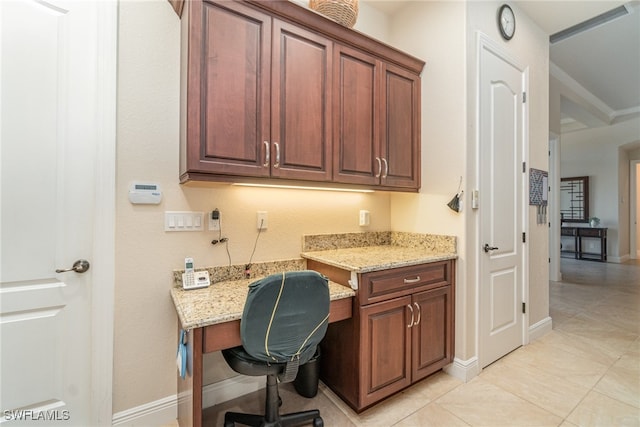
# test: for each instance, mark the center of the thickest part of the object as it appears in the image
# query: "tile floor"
(586, 372)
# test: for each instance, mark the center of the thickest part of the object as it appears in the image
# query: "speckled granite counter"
(365, 252)
(224, 302)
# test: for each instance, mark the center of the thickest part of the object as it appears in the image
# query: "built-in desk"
(580, 233)
(212, 318)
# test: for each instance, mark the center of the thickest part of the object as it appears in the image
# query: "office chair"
(285, 317)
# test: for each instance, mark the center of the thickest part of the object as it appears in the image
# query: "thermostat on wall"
(144, 193)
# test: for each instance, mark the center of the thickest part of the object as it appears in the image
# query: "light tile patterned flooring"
(586, 372)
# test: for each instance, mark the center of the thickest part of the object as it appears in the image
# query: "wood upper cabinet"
(356, 95)
(271, 90)
(301, 108)
(377, 121)
(256, 100)
(400, 133)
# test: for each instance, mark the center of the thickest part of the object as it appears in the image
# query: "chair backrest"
(285, 316)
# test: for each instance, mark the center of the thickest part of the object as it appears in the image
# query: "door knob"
(80, 266)
(488, 248)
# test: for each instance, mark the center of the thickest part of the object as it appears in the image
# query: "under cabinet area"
(402, 330)
(271, 91)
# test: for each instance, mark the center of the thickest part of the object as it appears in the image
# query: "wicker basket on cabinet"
(344, 12)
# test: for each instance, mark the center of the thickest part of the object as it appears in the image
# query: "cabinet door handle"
(409, 281)
(267, 154)
(419, 313)
(379, 167)
(386, 168)
(277, 163)
(411, 309)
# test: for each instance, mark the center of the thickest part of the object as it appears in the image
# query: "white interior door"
(49, 131)
(501, 88)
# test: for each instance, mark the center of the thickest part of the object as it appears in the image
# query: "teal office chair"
(285, 318)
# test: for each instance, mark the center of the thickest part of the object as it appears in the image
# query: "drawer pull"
(411, 309)
(417, 308)
(408, 281)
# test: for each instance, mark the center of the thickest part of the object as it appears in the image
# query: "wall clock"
(506, 22)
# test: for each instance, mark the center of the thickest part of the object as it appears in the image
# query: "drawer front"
(592, 232)
(568, 231)
(382, 285)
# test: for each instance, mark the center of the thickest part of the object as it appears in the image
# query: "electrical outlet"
(364, 218)
(214, 224)
(262, 220)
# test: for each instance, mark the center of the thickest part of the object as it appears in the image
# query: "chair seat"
(240, 361)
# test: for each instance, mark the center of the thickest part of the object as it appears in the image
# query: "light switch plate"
(183, 221)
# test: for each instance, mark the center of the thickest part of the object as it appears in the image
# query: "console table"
(579, 233)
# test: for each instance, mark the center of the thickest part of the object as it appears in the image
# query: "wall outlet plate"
(262, 220)
(365, 218)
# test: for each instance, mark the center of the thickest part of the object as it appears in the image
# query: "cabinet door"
(385, 353)
(400, 139)
(432, 331)
(227, 89)
(301, 119)
(356, 116)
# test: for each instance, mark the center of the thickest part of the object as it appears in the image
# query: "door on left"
(48, 124)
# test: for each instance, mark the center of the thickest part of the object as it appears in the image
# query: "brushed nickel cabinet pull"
(277, 163)
(410, 323)
(386, 168)
(419, 313)
(379, 167)
(267, 154)
(408, 281)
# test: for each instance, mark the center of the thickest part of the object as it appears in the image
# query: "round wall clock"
(506, 22)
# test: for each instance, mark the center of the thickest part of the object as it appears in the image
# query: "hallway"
(586, 372)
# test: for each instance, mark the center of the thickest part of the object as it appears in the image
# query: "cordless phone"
(192, 279)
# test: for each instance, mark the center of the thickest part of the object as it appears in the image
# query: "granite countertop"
(224, 302)
(374, 258)
(373, 251)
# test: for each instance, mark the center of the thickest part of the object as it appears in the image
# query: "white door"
(501, 88)
(48, 133)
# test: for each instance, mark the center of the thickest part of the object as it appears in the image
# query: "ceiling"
(600, 66)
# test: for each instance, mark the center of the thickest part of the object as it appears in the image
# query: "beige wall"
(148, 92)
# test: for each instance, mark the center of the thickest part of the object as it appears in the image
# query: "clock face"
(506, 22)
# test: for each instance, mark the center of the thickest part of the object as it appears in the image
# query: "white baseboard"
(464, 370)
(618, 259)
(540, 329)
(165, 411)
(159, 413)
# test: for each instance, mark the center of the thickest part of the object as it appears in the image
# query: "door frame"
(554, 208)
(103, 264)
(484, 42)
(634, 219)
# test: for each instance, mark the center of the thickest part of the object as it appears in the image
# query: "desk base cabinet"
(390, 344)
